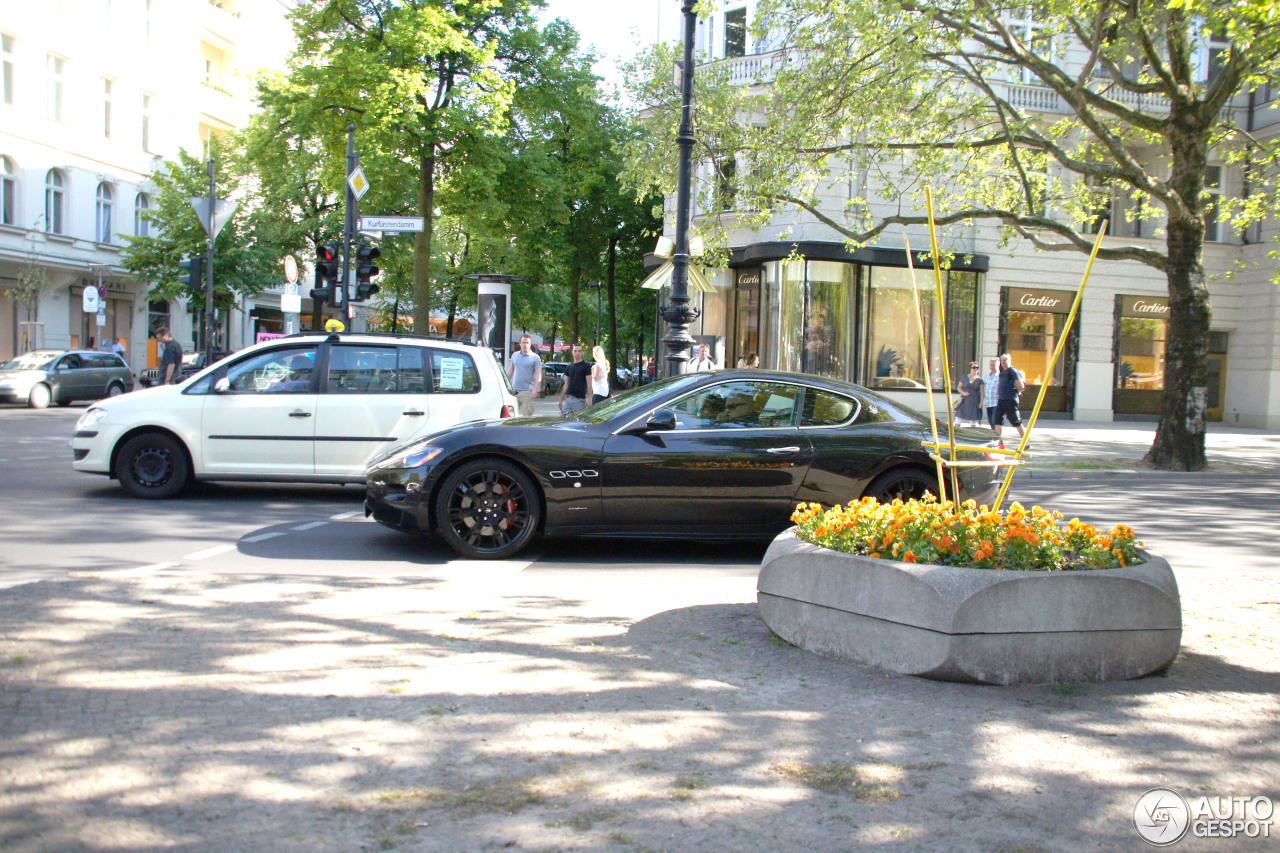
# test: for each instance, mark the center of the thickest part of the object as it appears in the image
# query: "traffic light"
(365, 270)
(326, 289)
(192, 276)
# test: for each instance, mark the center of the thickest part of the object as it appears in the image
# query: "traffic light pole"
(208, 281)
(349, 227)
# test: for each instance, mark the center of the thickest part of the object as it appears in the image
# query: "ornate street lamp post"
(677, 312)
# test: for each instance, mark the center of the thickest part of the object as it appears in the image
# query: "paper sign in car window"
(451, 374)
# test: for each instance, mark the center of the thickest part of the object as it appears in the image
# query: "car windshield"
(613, 406)
(31, 361)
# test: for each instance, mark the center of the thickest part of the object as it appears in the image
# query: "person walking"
(991, 393)
(970, 411)
(573, 393)
(704, 361)
(525, 373)
(170, 357)
(1012, 383)
(599, 375)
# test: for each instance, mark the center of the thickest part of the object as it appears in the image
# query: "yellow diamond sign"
(358, 182)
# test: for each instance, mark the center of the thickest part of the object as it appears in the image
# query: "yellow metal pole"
(924, 359)
(1053, 362)
(942, 327)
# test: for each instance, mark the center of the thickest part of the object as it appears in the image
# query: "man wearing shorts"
(991, 394)
(1011, 385)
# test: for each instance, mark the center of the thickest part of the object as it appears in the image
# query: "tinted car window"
(279, 371)
(874, 412)
(102, 359)
(362, 370)
(453, 373)
(410, 374)
(824, 408)
(69, 362)
(738, 405)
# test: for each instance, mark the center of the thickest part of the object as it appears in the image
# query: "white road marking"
(210, 552)
(342, 515)
(309, 526)
(262, 536)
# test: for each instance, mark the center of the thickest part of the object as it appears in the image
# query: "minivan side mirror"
(663, 419)
(222, 386)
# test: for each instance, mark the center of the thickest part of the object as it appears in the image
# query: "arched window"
(55, 200)
(102, 213)
(141, 204)
(8, 192)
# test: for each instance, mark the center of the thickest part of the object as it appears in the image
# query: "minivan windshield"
(31, 361)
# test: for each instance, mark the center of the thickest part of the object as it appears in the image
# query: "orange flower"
(909, 557)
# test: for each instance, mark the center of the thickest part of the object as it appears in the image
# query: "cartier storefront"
(1031, 324)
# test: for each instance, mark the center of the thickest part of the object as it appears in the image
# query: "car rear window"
(453, 373)
(824, 408)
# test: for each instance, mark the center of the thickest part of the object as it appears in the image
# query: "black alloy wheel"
(487, 509)
(152, 465)
(902, 483)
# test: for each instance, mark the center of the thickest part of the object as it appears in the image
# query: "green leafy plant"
(944, 533)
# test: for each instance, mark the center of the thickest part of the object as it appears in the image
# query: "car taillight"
(508, 412)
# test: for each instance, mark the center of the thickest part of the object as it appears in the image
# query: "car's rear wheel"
(902, 483)
(39, 397)
(152, 465)
(487, 509)
(115, 389)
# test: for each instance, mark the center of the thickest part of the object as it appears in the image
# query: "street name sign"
(393, 223)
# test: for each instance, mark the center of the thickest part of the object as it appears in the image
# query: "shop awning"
(661, 277)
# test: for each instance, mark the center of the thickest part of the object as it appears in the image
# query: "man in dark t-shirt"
(573, 393)
(1011, 385)
(170, 357)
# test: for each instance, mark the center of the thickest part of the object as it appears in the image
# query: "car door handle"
(298, 413)
(413, 413)
(781, 450)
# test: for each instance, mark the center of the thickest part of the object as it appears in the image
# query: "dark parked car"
(553, 377)
(192, 363)
(725, 454)
(57, 376)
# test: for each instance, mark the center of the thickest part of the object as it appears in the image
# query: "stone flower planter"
(977, 625)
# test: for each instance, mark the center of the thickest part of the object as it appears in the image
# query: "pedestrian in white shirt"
(704, 361)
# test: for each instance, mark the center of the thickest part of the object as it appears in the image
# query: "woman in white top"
(599, 375)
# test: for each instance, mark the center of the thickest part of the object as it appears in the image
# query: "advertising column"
(493, 310)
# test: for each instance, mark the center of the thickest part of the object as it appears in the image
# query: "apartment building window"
(8, 192)
(141, 226)
(107, 86)
(735, 32)
(102, 213)
(6, 67)
(1027, 25)
(56, 67)
(55, 201)
(1210, 56)
(146, 122)
(1213, 192)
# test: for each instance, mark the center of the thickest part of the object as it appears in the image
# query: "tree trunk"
(613, 312)
(575, 335)
(422, 243)
(1179, 441)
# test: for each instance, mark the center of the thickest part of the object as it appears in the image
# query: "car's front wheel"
(902, 483)
(487, 509)
(40, 397)
(152, 465)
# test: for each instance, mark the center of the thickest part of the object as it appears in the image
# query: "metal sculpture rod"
(942, 327)
(924, 361)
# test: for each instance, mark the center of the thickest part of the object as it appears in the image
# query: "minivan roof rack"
(333, 336)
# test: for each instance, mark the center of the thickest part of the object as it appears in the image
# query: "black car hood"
(542, 422)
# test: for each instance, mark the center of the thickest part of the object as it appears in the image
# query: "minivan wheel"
(152, 465)
(487, 509)
(39, 397)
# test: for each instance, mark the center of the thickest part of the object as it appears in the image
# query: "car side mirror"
(663, 419)
(222, 386)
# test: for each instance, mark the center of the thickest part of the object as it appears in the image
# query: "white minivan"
(310, 408)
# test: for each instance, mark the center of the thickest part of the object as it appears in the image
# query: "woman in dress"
(969, 412)
(599, 375)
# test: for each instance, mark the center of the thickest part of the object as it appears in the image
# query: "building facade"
(95, 96)
(851, 314)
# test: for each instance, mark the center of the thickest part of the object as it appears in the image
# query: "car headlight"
(411, 458)
(90, 418)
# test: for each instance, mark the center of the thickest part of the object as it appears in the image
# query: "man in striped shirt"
(991, 394)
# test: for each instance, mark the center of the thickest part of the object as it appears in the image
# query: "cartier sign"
(749, 277)
(1048, 301)
(1156, 307)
